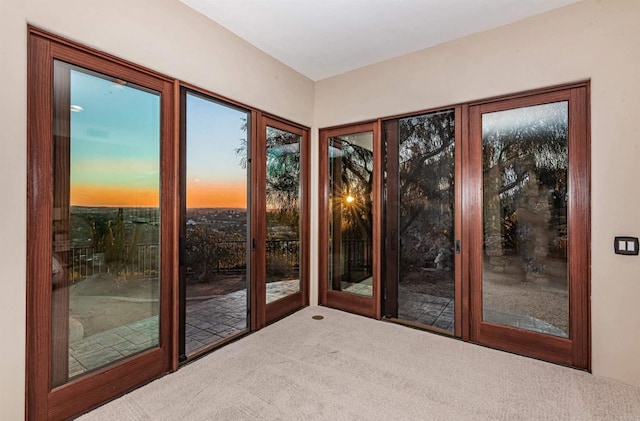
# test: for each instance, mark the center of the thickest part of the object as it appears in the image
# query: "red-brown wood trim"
(575, 350)
(457, 224)
(276, 310)
(378, 211)
(258, 260)
(422, 112)
(89, 390)
(252, 208)
(352, 303)
(487, 100)
(579, 228)
(367, 306)
(525, 101)
(39, 216)
(80, 395)
(181, 302)
(530, 93)
(284, 306)
(131, 65)
(178, 117)
(323, 212)
(349, 128)
(169, 214)
(465, 199)
(282, 125)
(473, 213)
(530, 344)
(292, 125)
(212, 95)
(305, 200)
(35, 31)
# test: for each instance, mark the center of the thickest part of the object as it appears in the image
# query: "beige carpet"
(347, 367)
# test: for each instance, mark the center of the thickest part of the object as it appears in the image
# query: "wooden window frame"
(266, 313)
(83, 393)
(576, 351)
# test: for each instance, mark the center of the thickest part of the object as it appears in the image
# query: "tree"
(524, 157)
(426, 146)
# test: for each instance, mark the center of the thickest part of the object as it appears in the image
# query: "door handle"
(394, 240)
(457, 246)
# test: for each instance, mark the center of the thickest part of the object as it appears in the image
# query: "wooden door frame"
(83, 393)
(574, 350)
(366, 306)
(262, 312)
(390, 137)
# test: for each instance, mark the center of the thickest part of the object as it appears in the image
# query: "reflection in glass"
(350, 213)
(106, 221)
(525, 162)
(283, 213)
(426, 190)
(215, 222)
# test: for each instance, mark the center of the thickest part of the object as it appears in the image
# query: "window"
(112, 231)
(484, 229)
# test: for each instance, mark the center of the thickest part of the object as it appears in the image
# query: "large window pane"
(106, 221)
(426, 197)
(350, 213)
(525, 191)
(283, 213)
(216, 222)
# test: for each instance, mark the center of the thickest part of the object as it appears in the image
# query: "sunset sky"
(115, 148)
(215, 177)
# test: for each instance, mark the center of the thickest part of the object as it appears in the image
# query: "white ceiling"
(323, 38)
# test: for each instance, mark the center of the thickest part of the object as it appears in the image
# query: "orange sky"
(200, 195)
(83, 195)
(216, 195)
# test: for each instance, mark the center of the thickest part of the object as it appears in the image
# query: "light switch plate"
(627, 246)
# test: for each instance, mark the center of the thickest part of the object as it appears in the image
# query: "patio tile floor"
(207, 321)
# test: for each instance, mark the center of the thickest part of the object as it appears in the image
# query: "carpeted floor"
(347, 367)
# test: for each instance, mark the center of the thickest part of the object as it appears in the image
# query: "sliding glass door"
(163, 221)
(484, 223)
(100, 240)
(215, 223)
(422, 220)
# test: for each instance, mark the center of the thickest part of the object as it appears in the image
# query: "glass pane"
(350, 217)
(283, 213)
(106, 221)
(525, 159)
(216, 222)
(426, 278)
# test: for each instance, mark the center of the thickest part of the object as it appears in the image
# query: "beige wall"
(163, 35)
(592, 39)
